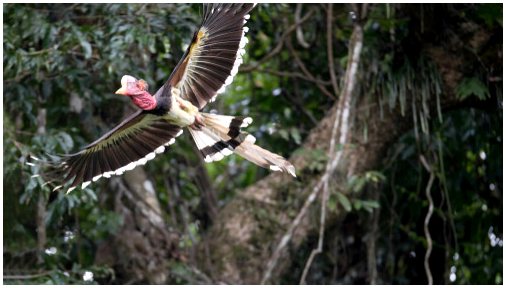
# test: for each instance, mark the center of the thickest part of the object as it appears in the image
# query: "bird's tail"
(222, 136)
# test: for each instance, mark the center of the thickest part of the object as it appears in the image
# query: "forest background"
(391, 114)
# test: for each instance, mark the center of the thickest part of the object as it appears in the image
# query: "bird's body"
(207, 66)
(182, 112)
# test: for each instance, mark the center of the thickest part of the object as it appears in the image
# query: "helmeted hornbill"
(207, 66)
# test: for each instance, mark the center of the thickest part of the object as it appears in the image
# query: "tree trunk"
(142, 247)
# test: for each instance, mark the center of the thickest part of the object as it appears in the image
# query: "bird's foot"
(198, 123)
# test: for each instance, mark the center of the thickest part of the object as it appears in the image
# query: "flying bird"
(207, 67)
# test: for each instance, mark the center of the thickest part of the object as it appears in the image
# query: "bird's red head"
(137, 90)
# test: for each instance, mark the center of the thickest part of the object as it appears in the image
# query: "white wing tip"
(160, 149)
(150, 156)
(142, 161)
(71, 189)
(238, 60)
(229, 80)
(130, 166)
(222, 89)
(85, 184)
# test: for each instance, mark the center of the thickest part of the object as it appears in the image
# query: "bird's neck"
(144, 101)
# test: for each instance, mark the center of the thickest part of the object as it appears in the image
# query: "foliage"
(472, 86)
(467, 183)
(467, 189)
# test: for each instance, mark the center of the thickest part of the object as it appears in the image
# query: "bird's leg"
(199, 123)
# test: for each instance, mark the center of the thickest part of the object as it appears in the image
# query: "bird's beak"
(121, 91)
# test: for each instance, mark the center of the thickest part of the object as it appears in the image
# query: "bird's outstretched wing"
(133, 142)
(214, 56)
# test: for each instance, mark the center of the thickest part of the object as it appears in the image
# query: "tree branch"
(299, 33)
(342, 120)
(308, 74)
(330, 50)
(300, 107)
(427, 219)
(343, 110)
(294, 75)
(278, 47)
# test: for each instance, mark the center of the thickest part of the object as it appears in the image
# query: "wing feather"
(104, 162)
(114, 160)
(133, 142)
(88, 170)
(79, 172)
(214, 54)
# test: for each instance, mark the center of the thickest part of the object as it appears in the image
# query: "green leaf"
(344, 201)
(357, 204)
(359, 185)
(375, 176)
(86, 48)
(295, 135)
(65, 141)
(284, 134)
(369, 205)
(356, 183)
(332, 203)
(472, 86)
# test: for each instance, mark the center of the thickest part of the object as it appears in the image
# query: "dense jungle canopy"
(391, 113)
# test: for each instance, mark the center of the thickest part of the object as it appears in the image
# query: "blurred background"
(425, 120)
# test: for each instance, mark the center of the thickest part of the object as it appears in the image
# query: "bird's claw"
(198, 123)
